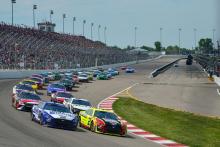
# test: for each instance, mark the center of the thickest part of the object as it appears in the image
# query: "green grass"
(183, 127)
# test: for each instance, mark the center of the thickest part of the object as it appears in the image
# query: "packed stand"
(22, 47)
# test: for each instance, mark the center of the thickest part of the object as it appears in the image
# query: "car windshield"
(84, 75)
(27, 95)
(36, 79)
(58, 86)
(66, 82)
(56, 107)
(81, 102)
(28, 82)
(107, 115)
(65, 95)
(24, 87)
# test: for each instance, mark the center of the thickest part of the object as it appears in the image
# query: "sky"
(122, 16)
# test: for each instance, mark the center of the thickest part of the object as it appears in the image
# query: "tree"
(158, 46)
(206, 45)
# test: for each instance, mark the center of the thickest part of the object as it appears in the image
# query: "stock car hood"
(55, 89)
(60, 115)
(81, 107)
(111, 121)
(83, 78)
(30, 101)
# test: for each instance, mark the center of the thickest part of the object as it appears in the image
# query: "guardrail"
(17, 74)
(164, 68)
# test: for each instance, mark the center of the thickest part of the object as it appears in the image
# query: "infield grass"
(183, 127)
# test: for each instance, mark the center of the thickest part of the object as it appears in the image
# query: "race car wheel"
(41, 120)
(92, 127)
(32, 117)
(80, 124)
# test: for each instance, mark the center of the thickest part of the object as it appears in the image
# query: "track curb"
(107, 103)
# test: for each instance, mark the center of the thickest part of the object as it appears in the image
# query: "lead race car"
(54, 115)
(102, 121)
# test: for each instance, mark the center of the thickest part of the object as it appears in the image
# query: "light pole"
(74, 19)
(99, 26)
(34, 8)
(179, 39)
(92, 24)
(213, 38)
(84, 22)
(195, 36)
(64, 16)
(105, 34)
(12, 11)
(161, 29)
(135, 37)
(51, 13)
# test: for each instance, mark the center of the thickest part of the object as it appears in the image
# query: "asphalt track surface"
(17, 130)
(185, 88)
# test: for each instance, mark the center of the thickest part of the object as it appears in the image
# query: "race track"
(18, 131)
(185, 88)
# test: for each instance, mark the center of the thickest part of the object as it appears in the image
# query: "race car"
(38, 81)
(68, 84)
(21, 87)
(113, 71)
(102, 121)
(123, 67)
(90, 75)
(51, 76)
(25, 100)
(31, 83)
(54, 115)
(83, 78)
(77, 105)
(55, 87)
(75, 78)
(59, 97)
(129, 70)
(102, 76)
(44, 77)
(96, 72)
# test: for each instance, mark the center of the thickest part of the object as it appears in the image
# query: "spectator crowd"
(22, 47)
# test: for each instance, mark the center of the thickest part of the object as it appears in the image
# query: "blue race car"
(113, 71)
(54, 88)
(129, 70)
(54, 115)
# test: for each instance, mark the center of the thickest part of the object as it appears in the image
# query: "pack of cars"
(63, 110)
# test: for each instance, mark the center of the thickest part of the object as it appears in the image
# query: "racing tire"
(41, 121)
(74, 128)
(92, 127)
(80, 122)
(32, 117)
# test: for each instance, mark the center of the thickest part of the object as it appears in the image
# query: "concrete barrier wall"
(16, 74)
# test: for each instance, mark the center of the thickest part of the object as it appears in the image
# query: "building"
(46, 26)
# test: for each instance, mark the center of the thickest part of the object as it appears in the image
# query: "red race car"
(25, 100)
(59, 97)
(123, 67)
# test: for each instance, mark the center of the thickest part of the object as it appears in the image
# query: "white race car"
(77, 105)
(83, 78)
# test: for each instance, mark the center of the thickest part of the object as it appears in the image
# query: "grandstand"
(29, 48)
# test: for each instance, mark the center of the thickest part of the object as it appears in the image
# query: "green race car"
(102, 76)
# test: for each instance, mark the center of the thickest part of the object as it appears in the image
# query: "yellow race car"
(102, 121)
(32, 83)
